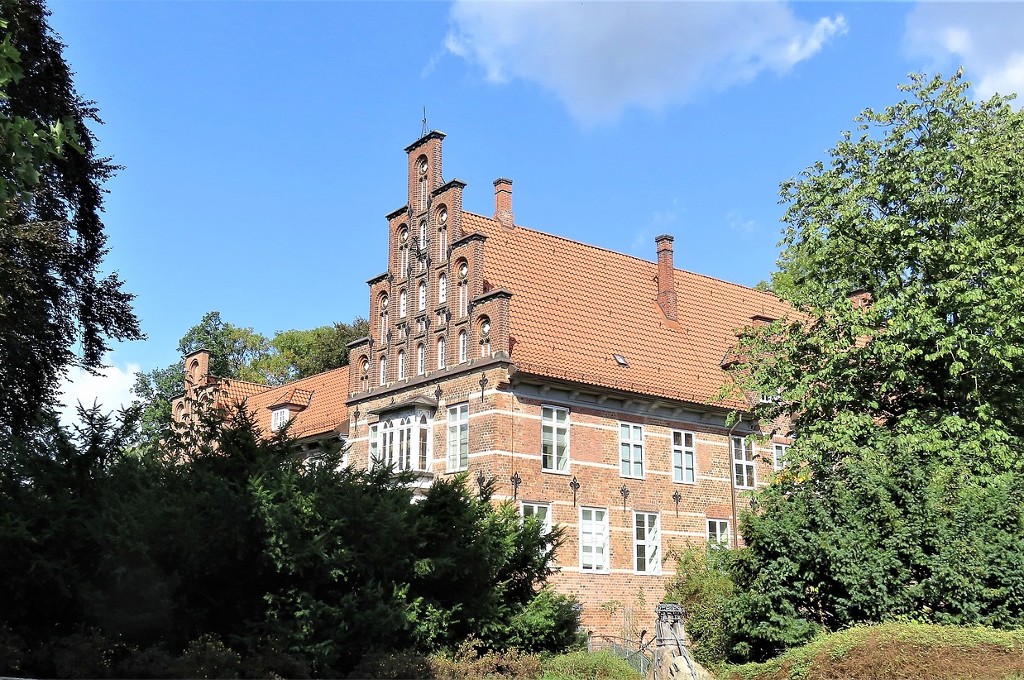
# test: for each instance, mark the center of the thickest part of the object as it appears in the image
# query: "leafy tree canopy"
(56, 309)
(901, 495)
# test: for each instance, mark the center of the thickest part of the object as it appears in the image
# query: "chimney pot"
(503, 202)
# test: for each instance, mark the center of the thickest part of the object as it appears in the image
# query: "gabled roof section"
(570, 324)
(317, 402)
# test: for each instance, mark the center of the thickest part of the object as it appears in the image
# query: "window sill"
(622, 476)
(551, 471)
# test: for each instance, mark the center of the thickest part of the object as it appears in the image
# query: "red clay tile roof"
(323, 396)
(574, 305)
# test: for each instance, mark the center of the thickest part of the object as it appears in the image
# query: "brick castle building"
(588, 384)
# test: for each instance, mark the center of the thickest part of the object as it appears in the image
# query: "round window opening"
(366, 365)
(443, 216)
(405, 235)
(423, 166)
(485, 327)
(463, 270)
(384, 302)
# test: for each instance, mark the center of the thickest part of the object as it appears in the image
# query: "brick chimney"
(503, 202)
(666, 277)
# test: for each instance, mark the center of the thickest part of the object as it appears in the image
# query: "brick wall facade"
(505, 407)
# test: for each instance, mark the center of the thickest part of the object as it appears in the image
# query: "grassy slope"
(896, 651)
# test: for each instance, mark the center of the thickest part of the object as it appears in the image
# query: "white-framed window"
(384, 318)
(463, 299)
(403, 264)
(542, 511)
(442, 361)
(424, 442)
(744, 475)
(458, 437)
(383, 365)
(401, 364)
(554, 439)
(631, 450)
(279, 418)
(421, 356)
(442, 241)
(423, 234)
(442, 289)
(646, 543)
(594, 539)
(373, 444)
(718, 533)
(779, 452)
(421, 301)
(462, 347)
(402, 304)
(684, 458)
(401, 441)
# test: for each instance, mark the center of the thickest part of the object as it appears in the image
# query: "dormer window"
(279, 418)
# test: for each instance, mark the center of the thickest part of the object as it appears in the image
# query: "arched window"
(441, 362)
(383, 318)
(420, 357)
(383, 370)
(404, 458)
(423, 434)
(401, 364)
(403, 252)
(421, 303)
(485, 337)
(442, 234)
(401, 304)
(462, 346)
(463, 299)
(423, 234)
(387, 443)
(442, 289)
(364, 378)
(421, 169)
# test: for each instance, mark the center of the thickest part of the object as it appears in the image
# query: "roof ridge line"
(621, 254)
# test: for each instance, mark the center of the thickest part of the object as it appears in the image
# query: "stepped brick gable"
(586, 383)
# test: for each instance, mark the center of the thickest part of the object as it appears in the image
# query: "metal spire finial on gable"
(423, 133)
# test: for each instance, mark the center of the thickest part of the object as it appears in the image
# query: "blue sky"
(263, 141)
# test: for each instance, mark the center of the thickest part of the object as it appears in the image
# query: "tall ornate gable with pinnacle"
(586, 383)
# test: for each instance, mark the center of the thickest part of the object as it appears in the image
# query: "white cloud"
(111, 389)
(987, 39)
(600, 58)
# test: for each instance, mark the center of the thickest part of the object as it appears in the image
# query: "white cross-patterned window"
(631, 450)
(646, 543)
(542, 511)
(458, 437)
(684, 466)
(554, 439)
(593, 539)
(718, 533)
(744, 476)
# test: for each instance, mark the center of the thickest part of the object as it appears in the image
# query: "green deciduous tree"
(901, 494)
(56, 309)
